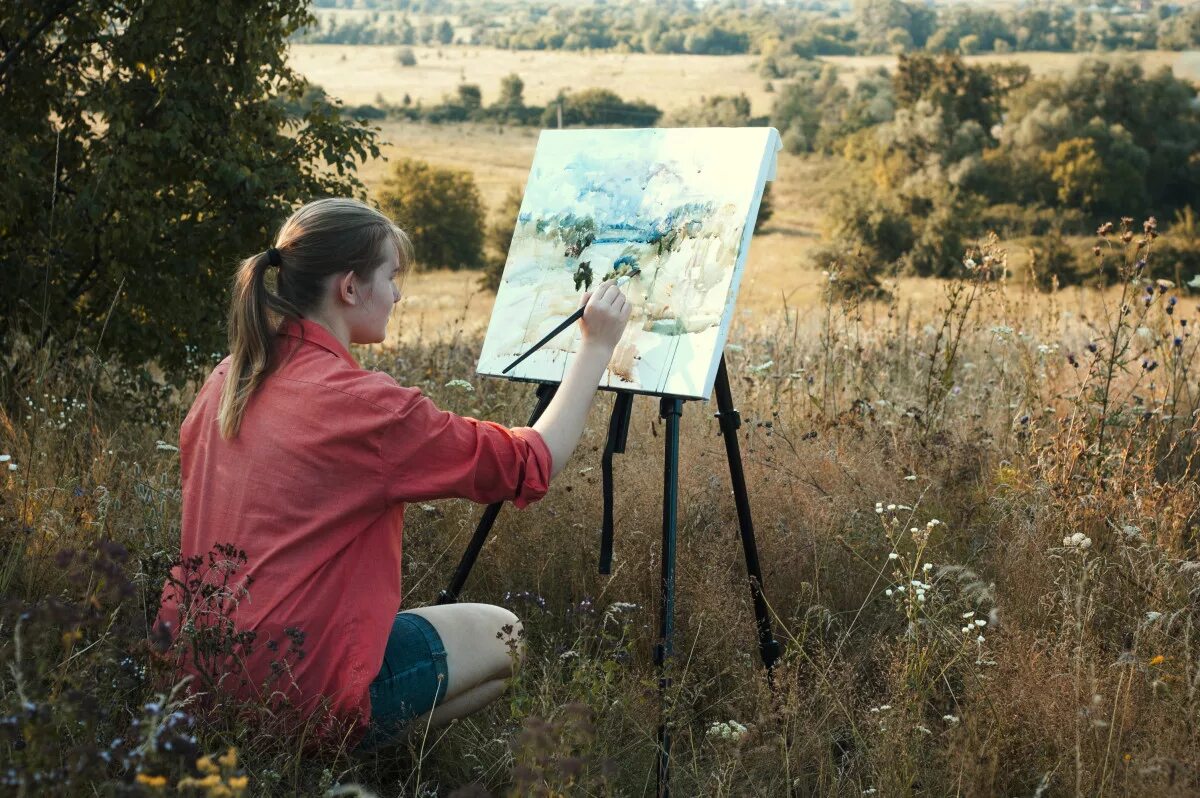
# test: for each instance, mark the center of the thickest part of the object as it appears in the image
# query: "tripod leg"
(618, 430)
(730, 420)
(545, 392)
(671, 410)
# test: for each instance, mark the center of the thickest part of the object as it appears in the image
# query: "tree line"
(778, 32)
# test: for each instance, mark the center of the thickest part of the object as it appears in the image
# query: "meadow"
(976, 508)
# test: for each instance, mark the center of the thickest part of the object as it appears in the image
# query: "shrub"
(441, 211)
(406, 57)
(499, 238)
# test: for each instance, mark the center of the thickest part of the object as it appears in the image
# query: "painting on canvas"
(679, 204)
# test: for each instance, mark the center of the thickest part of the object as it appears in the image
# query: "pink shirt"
(313, 489)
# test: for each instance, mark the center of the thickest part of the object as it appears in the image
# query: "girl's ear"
(346, 290)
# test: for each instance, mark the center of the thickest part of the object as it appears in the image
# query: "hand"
(605, 314)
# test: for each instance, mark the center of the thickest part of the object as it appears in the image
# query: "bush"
(441, 211)
(600, 107)
(499, 238)
(406, 57)
(1053, 262)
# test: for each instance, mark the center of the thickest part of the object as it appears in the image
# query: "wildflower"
(1157, 659)
(726, 730)
(968, 613)
(893, 556)
(1091, 347)
(970, 264)
(891, 507)
(1071, 359)
(4, 458)
(1078, 540)
(888, 592)
(950, 718)
(927, 567)
(980, 622)
(1153, 616)
(163, 446)
(922, 729)
(228, 759)
(911, 478)
(1178, 341)
(979, 639)
(763, 366)
(153, 782)
(466, 386)
(12, 466)
(878, 507)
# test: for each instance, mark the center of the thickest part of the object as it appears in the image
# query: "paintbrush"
(565, 323)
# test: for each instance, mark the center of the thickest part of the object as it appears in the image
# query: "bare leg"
(484, 643)
(459, 707)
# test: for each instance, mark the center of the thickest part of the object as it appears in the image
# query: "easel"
(670, 410)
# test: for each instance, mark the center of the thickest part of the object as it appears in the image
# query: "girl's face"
(369, 321)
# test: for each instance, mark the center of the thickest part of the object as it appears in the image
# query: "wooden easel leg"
(670, 410)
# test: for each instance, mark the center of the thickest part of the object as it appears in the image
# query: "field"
(976, 507)
(357, 73)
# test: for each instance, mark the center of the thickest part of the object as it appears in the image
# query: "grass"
(1053, 502)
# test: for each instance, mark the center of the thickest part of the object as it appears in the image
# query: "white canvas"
(680, 203)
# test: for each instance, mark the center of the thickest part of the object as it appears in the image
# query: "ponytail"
(251, 333)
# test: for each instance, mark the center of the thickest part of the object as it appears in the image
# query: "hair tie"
(273, 256)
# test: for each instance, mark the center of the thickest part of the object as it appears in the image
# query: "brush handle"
(564, 324)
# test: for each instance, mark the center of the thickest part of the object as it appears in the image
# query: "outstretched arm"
(603, 322)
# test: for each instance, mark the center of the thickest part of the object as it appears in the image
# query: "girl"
(300, 461)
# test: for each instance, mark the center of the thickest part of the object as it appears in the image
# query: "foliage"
(441, 211)
(499, 238)
(599, 107)
(132, 187)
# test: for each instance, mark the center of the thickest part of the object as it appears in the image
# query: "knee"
(512, 637)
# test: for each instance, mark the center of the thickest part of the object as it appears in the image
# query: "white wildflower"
(763, 366)
(927, 566)
(4, 458)
(968, 613)
(950, 718)
(893, 556)
(911, 478)
(466, 386)
(1152, 616)
(163, 446)
(980, 622)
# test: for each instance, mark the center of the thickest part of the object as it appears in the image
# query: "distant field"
(357, 73)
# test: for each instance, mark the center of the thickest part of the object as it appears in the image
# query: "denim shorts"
(411, 681)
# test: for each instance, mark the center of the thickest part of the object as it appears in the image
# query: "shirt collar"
(313, 333)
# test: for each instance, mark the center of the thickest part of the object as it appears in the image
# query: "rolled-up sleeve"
(430, 453)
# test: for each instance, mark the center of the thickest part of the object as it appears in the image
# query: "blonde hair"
(322, 238)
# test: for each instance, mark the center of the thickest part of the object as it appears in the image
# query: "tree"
(132, 187)
(445, 32)
(512, 90)
(600, 107)
(441, 211)
(499, 238)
